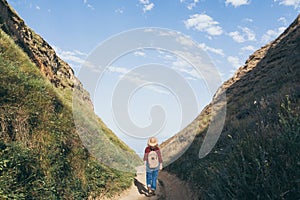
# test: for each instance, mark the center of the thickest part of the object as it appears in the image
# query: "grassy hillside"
(254, 159)
(257, 155)
(41, 154)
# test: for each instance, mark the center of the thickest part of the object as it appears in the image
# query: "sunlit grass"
(41, 154)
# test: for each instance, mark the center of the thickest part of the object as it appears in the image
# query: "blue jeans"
(151, 178)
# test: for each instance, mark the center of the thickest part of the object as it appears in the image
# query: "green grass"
(259, 160)
(41, 154)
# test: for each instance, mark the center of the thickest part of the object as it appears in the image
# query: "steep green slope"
(257, 155)
(41, 154)
(100, 140)
(38, 134)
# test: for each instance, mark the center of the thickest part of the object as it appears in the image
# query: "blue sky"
(227, 30)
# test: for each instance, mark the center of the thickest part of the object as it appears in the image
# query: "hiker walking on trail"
(153, 162)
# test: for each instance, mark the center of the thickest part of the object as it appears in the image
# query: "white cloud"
(74, 58)
(237, 3)
(147, 5)
(236, 36)
(295, 3)
(139, 53)
(272, 34)
(283, 20)
(185, 41)
(135, 78)
(246, 35)
(184, 67)
(250, 35)
(157, 89)
(248, 48)
(88, 5)
(204, 23)
(80, 53)
(37, 7)
(210, 49)
(168, 57)
(193, 4)
(190, 4)
(119, 10)
(120, 70)
(234, 61)
(248, 20)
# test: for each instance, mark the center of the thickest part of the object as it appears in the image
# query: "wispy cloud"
(234, 61)
(119, 10)
(283, 21)
(190, 4)
(168, 57)
(272, 34)
(184, 67)
(245, 35)
(139, 53)
(237, 3)
(88, 5)
(185, 41)
(119, 70)
(157, 89)
(295, 3)
(203, 23)
(248, 48)
(74, 58)
(236, 36)
(248, 20)
(135, 78)
(211, 49)
(147, 5)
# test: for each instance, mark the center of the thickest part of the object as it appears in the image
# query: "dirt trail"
(169, 187)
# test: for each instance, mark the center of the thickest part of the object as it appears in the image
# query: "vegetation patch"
(256, 159)
(41, 155)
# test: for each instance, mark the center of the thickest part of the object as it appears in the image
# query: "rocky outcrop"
(58, 72)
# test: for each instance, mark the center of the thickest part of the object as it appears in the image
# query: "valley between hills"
(43, 157)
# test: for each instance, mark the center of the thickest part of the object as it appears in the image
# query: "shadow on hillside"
(141, 187)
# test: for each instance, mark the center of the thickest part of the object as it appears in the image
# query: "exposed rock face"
(40, 52)
(269, 74)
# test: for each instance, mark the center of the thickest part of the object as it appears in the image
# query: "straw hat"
(152, 141)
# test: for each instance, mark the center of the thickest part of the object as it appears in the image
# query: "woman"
(153, 162)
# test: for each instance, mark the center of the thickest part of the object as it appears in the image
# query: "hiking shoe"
(149, 190)
(153, 192)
